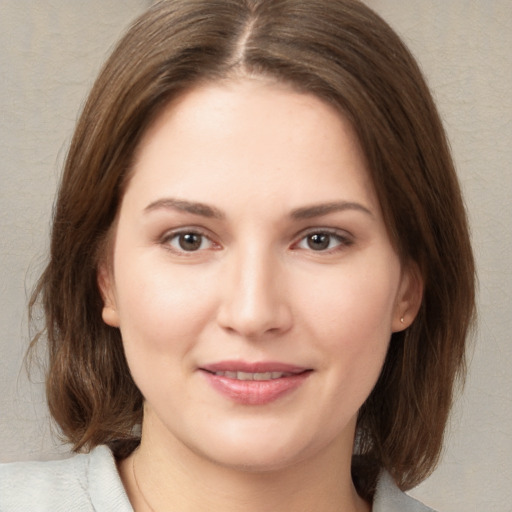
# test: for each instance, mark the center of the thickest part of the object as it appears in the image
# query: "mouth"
(260, 376)
(254, 383)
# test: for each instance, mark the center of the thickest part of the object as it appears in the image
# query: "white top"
(90, 482)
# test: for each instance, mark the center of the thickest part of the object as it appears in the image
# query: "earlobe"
(409, 298)
(106, 287)
(110, 316)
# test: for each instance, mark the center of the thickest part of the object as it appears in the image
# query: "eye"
(188, 241)
(323, 241)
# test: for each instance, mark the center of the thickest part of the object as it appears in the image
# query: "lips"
(254, 383)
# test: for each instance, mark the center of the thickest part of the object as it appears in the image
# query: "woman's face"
(253, 279)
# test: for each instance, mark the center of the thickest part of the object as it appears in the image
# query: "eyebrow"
(204, 210)
(195, 208)
(319, 210)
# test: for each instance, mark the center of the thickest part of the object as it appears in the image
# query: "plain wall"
(50, 53)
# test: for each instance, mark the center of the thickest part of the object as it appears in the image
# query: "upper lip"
(255, 367)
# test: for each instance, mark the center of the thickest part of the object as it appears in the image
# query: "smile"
(254, 383)
(253, 376)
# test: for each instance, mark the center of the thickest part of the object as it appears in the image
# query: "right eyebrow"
(169, 203)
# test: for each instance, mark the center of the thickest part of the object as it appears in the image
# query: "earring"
(402, 320)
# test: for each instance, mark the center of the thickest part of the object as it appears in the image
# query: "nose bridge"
(254, 302)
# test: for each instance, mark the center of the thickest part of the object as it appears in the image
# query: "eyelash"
(341, 240)
(168, 238)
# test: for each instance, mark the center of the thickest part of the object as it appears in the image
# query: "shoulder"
(389, 498)
(84, 482)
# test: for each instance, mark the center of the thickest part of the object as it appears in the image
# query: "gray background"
(51, 51)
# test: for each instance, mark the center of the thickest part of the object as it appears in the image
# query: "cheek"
(350, 318)
(161, 316)
(161, 305)
(360, 304)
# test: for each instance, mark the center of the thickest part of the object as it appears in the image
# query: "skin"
(260, 286)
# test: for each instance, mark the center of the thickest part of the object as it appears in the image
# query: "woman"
(261, 280)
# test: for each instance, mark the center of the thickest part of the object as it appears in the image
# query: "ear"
(107, 290)
(409, 298)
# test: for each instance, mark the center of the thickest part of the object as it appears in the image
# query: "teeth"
(253, 376)
(262, 376)
(245, 376)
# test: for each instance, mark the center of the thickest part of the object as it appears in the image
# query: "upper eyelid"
(345, 238)
(169, 243)
(336, 232)
(342, 233)
(172, 233)
(186, 229)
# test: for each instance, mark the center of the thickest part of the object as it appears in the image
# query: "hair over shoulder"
(342, 52)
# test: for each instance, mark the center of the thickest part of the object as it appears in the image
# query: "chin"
(260, 449)
(257, 460)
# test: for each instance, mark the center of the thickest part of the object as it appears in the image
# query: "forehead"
(248, 135)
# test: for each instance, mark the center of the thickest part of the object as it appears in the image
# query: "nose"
(254, 302)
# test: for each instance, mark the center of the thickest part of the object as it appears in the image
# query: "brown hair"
(344, 53)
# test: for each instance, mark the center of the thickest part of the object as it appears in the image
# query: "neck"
(172, 477)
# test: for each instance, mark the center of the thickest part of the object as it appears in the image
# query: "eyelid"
(172, 233)
(345, 238)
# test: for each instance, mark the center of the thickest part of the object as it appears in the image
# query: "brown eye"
(319, 241)
(190, 241)
(325, 241)
(187, 241)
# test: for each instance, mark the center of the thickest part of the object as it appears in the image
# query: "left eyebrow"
(318, 210)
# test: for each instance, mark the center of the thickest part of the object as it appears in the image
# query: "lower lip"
(255, 392)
